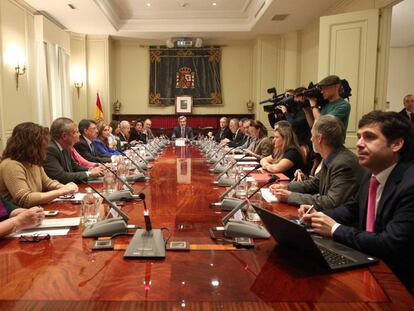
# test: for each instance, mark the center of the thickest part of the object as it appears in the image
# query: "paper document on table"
(77, 197)
(268, 196)
(30, 232)
(247, 163)
(60, 222)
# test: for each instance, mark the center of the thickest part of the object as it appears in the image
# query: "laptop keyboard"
(332, 258)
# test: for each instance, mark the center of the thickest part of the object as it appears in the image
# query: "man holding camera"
(337, 106)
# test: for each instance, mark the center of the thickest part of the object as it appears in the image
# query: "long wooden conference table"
(63, 273)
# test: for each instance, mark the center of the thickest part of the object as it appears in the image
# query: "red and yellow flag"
(98, 115)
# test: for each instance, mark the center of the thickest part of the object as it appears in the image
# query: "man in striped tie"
(379, 218)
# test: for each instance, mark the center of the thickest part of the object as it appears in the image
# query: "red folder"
(263, 177)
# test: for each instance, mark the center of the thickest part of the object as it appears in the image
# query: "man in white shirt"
(383, 207)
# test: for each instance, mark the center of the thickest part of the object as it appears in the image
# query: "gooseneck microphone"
(223, 156)
(108, 226)
(140, 156)
(147, 218)
(239, 181)
(133, 162)
(271, 180)
(230, 167)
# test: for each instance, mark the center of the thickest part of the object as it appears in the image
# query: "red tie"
(372, 198)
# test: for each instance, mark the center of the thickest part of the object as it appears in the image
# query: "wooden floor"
(65, 274)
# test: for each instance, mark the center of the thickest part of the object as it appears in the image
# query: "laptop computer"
(324, 251)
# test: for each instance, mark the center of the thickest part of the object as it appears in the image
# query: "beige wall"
(18, 30)
(131, 82)
(400, 72)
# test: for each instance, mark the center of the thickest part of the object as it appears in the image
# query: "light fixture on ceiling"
(148, 4)
(71, 6)
(214, 4)
(184, 42)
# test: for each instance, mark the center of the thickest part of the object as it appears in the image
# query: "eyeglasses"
(34, 237)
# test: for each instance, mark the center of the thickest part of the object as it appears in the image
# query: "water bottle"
(109, 182)
(89, 208)
(241, 189)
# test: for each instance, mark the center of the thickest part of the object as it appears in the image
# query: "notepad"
(268, 196)
(60, 222)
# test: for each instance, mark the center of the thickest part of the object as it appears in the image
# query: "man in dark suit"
(339, 176)
(408, 111)
(383, 207)
(237, 134)
(182, 131)
(59, 163)
(224, 131)
(86, 146)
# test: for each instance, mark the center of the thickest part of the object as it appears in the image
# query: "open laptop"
(330, 254)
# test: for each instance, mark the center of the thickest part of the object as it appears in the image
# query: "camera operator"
(336, 106)
(295, 115)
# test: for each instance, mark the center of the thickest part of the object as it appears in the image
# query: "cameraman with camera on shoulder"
(330, 88)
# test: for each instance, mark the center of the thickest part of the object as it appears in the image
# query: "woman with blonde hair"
(102, 142)
(287, 154)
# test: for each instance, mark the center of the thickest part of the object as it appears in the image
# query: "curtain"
(53, 83)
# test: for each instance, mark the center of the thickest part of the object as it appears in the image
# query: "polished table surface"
(64, 273)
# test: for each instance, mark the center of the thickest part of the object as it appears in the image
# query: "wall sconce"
(250, 105)
(78, 86)
(19, 72)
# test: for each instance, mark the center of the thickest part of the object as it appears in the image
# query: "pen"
(307, 212)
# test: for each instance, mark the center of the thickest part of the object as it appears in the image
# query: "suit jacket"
(82, 147)
(333, 184)
(177, 132)
(404, 113)
(223, 133)
(60, 165)
(393, 238)
(263, 147)
(238, 139)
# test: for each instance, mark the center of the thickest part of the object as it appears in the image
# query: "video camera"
(275, 99)
(315, 91)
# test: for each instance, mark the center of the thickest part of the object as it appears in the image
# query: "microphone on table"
(108, 226)
(213, 169)
(137, 177)
(230, 167)
(242, 228)
(148, 242)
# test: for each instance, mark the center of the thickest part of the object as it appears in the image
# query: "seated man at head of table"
(59, 163)
(182, 131)
(86, 146)
(339, 176)
(379, 218)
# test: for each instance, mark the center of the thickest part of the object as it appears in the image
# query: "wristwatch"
(313, 107)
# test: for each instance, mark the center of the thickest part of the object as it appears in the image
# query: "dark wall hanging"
(185, 72)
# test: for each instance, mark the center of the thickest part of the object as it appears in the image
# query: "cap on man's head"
(329, 80)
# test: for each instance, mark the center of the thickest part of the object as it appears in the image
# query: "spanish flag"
(98, 115)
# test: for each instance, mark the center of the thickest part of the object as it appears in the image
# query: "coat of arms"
(184, 78)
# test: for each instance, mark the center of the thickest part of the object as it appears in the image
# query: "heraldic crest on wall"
(191, 72)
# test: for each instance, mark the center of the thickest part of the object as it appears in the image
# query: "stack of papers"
(268, 196)
(58, 226)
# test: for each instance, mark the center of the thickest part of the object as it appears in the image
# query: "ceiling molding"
(109, 13)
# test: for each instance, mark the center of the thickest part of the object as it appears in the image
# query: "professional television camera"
(315, 91)
(275, 99)
(274, 113)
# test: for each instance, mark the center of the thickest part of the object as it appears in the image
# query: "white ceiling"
(228, 19)
(402, 28)
(236, 19)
